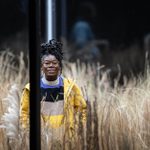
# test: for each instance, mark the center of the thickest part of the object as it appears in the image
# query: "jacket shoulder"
(27, 86)
(69, 81)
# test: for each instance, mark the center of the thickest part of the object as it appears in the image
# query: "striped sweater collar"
(51, 83)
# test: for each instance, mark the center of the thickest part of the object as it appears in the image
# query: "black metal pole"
(63, 18)
(34, 55)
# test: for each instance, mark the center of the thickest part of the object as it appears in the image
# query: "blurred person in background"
(82, 36)
(61, 98)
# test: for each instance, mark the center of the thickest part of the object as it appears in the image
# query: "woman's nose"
(50, 64)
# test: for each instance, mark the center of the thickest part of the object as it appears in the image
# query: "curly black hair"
(53, 47)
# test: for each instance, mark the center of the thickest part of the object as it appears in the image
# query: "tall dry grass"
(13, 76)
(118, 117)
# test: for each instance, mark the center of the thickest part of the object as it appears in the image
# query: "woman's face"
(50, 67)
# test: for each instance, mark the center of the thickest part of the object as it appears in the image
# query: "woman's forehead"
(49, 58)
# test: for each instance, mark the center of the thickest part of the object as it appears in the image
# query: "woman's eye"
(52, 63)
(46, 63)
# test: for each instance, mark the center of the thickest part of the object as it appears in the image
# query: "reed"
(118, 116)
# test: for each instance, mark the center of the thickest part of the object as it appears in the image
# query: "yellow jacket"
(74, 103)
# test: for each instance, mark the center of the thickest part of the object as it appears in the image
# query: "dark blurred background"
(119, 31)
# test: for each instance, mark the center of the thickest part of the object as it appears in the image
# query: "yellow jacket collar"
(68, 85)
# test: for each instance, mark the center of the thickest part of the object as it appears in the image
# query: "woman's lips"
(52, 70)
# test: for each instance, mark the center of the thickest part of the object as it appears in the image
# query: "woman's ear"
(59, 72)
(42, 73)
(41, 66)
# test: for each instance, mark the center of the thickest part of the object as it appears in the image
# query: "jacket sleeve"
(80, 103)
(24, 107)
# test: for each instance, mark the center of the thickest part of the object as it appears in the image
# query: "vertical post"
(50, 19)
(34, 55)
(63, 18)
(49, 32)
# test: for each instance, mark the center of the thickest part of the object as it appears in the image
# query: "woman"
(61, 98)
